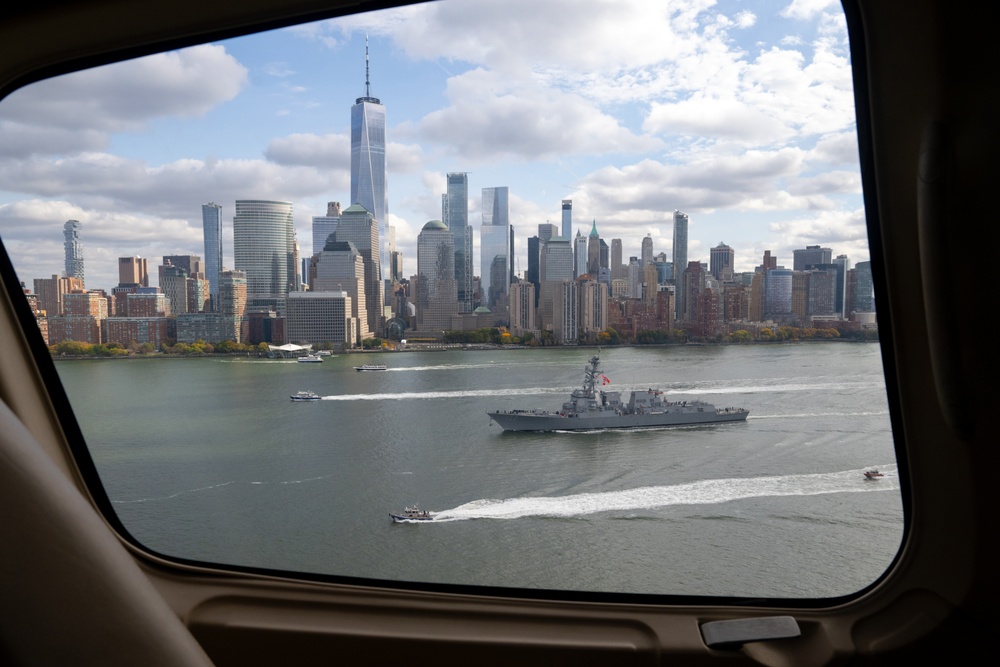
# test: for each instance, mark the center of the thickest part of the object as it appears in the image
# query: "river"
(207, 459)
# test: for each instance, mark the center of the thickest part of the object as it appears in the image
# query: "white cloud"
(492, 117)
(806, 9)
(122, 97)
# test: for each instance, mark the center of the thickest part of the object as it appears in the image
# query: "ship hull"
(531, 421)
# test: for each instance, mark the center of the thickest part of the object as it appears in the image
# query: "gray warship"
(591, 409)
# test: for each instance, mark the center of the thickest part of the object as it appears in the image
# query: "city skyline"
(627, 131)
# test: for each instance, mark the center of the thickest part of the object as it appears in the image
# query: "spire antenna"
(368, 86)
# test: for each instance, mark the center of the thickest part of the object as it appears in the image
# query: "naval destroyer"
(589, 408)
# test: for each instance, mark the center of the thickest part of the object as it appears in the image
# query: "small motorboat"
(305, 396)
(310, 359)
(371, 367)
(411, 514)
(873, 474)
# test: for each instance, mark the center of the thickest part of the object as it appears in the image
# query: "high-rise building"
(211, 220)
(646, 256)
(359, 227)
(264, 248)
(594, 251)
(617, 268)
(863, 299)
(547, 231)
(720, 262)
(455, 214)
(233, 305)
(680, 247)
(680, 250)
(812, 255)
(567, 218)
(368, 161)
(522, 308)
(341, 267)
(494, 242)
(436, 292)
(192, 264)
(133, 271)
(579, 254)
(324, 225)
(555, 267)
(320, 317)
(73, 250)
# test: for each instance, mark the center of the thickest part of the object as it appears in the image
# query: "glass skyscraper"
(494, 242)
(680, 259)
(264, 247)
(73, 250)
(368, 160)
(567, 218)
(211, 220)
(455, 215)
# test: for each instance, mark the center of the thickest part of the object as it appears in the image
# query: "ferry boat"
(591, 409)
(310, 359)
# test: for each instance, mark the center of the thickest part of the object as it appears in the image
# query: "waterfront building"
(494, 244)
(822, 290)
(139, 330)
(341, 267)
(843, 265)
(812, 255)
(133, 271)
(51, 291)
(436, 287)
(778, 295)
(264, 248)
(522, 309)
(566, 312)
(358, 227)
(567, 218)
(211, 222)
(693, 281)
(325, 225)
(556, 266)
(73, 250)
(863, 294)
(593, 310)
(455, 215)
(368, 183)
(320, 317)
(233, 305)
(721, 261)
(146, 302)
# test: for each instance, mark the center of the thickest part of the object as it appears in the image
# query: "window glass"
(584, 285)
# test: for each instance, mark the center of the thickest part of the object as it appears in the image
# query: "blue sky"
(739, 113)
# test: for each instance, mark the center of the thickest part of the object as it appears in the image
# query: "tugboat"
(411, 514)
(591, 409)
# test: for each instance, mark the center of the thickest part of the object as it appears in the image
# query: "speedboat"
(371, 367)
(411, 514)
(305, 396)
(873, 474)
(310, 359)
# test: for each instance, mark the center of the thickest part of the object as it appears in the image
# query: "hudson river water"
(207, 459)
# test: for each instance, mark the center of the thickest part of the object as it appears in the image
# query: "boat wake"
(704, 492)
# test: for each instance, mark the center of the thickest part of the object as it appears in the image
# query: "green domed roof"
(435, 224)
(482, 310)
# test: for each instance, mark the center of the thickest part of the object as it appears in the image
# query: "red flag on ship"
(605, 379)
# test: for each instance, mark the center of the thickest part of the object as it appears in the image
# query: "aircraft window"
(289, 282)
